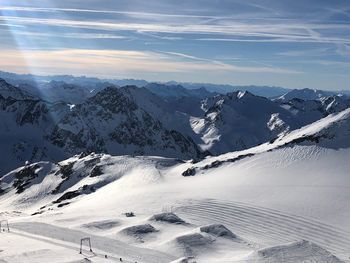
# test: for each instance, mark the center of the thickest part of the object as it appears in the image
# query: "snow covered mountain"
(107, 122)
(241, 120)
(225, 123)
(306, 110)
(132, 120)
(331, 132)
(283, 201)
(306, 94)
(113, 123)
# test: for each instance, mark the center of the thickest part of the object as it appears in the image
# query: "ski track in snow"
(109, 245)
(269, 225)
(75, 248)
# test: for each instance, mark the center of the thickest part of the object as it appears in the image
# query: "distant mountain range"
(265, 91)
(53, 120)
(168, 89)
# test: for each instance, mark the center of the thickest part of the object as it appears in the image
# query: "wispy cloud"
(266, 69)
(120, 61)
(232, 40)
(234, 31)
(344, 11)
(343, 49)
(68, 35)
(75, 10)
(10, 25)
(182, 55)
(315, 52)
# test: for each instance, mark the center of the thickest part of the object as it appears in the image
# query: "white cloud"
(316, 52)
(282, 30)
(343, 49)
(114, 62)
(68, 35)
(75, 10)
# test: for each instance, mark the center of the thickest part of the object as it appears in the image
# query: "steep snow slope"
(293, 189)
(329, 132)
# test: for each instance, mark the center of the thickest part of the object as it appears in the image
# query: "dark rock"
(189, 172)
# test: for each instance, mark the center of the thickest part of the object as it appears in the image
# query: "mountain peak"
(306, 94)
(241, 94)
(245, 94)
(9, 91)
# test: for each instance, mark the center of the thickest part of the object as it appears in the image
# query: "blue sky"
(295, 44)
